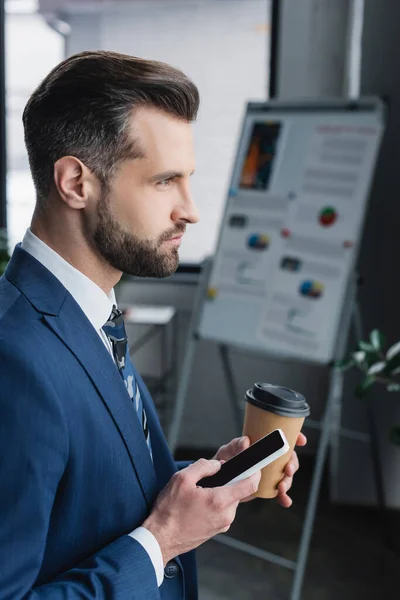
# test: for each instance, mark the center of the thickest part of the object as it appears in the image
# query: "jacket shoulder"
(21, 326)
(9, 295)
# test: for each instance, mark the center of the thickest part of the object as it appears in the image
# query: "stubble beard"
(129, 253)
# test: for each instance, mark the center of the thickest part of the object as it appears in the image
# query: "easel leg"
(176, 421)
(190, 350)
(335, 389)
(233, 394)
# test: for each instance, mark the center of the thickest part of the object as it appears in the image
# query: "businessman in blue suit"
(92, 504)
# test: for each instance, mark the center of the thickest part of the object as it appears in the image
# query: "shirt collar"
(95, 303)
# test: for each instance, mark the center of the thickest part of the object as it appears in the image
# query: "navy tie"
(116, 333)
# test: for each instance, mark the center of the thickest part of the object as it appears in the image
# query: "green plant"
(378, 367)
(4, 256)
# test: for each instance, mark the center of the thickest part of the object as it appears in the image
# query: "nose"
(185, 209)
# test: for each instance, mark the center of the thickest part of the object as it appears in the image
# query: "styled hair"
(83, 109)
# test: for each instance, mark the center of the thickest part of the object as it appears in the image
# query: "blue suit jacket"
(75, 472)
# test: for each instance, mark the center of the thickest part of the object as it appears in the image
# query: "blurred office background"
(235, 51)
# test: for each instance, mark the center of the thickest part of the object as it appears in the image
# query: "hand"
(186, 515)
(290, 469)
(238, 444)
(234, 447)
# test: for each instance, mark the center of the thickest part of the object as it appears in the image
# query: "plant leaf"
(371, 359)
(359, 357)
(393, 350)
(366, 346)
(394, 435)
(362, 389)
(377, 339)
(393, 387)
(366, 358)
(393, 363)
(344, 364)
(377, 367)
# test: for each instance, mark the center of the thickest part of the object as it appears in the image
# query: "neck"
(68, 241)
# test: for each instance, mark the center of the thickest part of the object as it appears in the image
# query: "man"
(91, 503)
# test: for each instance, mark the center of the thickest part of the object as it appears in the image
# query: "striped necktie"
(116, 333)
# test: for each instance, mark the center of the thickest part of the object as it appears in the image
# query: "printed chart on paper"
(291, 230)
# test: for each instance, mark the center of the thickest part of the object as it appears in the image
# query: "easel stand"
(329, 425)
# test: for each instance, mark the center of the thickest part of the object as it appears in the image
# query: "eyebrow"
(167, 175)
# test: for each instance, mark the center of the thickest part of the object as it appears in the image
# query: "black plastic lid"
(279, 400)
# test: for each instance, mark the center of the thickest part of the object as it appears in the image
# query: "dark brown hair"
(82, 109)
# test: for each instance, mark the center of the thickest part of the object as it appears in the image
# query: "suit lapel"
(85, 344)
(163, 459)
(66, 319)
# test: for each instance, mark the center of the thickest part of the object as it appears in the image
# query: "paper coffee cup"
(270, 407)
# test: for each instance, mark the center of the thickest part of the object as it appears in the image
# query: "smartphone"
(249, 461)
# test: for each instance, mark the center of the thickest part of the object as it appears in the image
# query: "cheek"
(142, 213)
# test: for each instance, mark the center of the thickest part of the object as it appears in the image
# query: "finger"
(201, 468)
(234, 447)
(284, 500)
(290, 469)
(293, 465)
(220, 452)
(285, 485)
(242, 489)
(243, 443)
(301, 440)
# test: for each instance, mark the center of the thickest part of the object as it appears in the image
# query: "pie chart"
(311, 288)
(328, 216)
(258, 241)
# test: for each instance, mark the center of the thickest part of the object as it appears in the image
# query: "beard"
(131, 254)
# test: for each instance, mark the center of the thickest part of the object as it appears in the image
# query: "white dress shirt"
(97, 306)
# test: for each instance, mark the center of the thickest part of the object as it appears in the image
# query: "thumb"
(245, 488)
(202, 468)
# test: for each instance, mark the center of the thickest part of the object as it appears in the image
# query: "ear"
(75, 183)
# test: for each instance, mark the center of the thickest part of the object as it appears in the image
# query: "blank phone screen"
(245, 460)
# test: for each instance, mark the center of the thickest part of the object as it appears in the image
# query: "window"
(32, 50)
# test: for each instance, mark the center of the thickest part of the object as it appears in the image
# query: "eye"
(164, 183)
